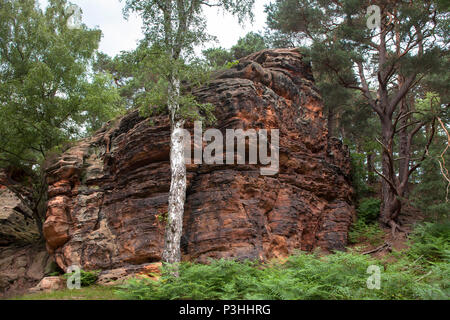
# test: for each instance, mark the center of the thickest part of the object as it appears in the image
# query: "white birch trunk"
(177, 194)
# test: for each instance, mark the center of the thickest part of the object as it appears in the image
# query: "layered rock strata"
(108, 194)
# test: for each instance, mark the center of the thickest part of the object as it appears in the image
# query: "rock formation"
(22, 267)
(16, 226)
(23, 260)
(108, 194)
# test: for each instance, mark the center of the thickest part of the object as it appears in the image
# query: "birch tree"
(173, 28)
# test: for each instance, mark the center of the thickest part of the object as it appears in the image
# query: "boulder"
(49, 284)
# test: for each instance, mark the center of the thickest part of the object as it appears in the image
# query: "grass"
(89, 293)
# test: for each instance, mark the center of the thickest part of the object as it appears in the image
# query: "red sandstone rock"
(120, 275)
(23, 259)
(22, 267)
(16, 225)
(107, 192)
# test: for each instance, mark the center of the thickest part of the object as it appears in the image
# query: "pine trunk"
(403, 146)
(370, 168)
(391, 205)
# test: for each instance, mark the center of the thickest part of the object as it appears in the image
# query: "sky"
(120, 34)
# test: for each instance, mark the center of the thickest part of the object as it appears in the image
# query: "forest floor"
(385, 241)
(305, 276)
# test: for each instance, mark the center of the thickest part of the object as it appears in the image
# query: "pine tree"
(250, 43)
(385, 63)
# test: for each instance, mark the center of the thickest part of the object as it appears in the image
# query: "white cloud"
(226, 27)
(120, 34)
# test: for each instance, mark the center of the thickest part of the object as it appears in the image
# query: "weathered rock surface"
(16, 226)
(108, 193)
(120, 275)
(49, 284)
(23, 262)
(22, 268)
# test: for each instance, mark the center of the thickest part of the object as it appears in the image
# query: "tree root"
(395, 226)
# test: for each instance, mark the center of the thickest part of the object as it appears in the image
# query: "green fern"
(338, 276)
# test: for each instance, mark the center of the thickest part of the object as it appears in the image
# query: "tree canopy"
(47, 93)
(250, 43)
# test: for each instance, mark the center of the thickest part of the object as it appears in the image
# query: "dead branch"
(444, 170)
(384, 246)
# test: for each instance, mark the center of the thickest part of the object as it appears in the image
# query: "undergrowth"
(430, 242)
(415, 274)
(367, 228)
(362, 232)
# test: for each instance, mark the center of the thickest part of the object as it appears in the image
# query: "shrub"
(232, 64)
(361, 232)
(438, 278)
(87, 278)
(369, 210)
(54, 274)
(196, 281)
(367, 228)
